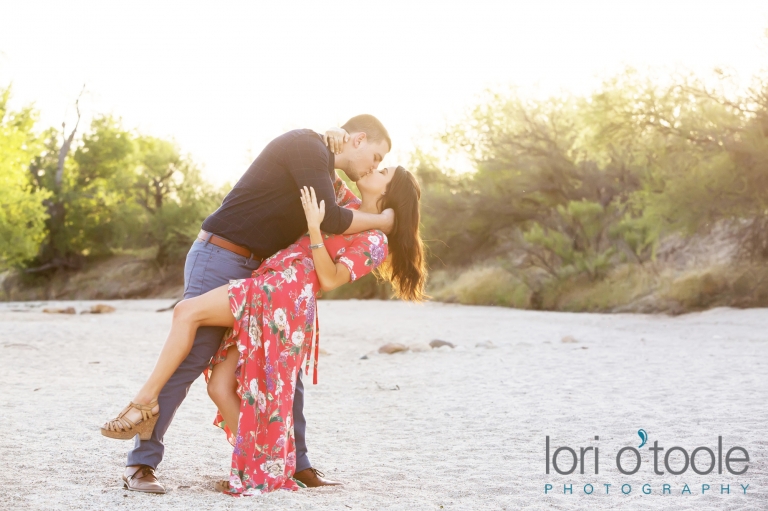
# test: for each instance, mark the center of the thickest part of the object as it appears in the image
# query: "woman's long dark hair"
(405, 268)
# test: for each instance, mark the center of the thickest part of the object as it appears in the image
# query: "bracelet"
(319, 245)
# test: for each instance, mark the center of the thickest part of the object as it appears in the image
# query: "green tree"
(118, 190)
(89, 193)
(705, 148)
(22, 214)
(545, 186)
(173, 195)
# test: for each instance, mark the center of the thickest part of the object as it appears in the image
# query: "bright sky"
(224, 78)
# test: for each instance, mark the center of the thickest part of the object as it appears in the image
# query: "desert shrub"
(486, 285)
(578, 187)
(620, 287)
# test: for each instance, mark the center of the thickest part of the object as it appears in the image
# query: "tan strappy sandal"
(122, 428)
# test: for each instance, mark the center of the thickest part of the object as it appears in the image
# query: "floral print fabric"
(344, 196)
(275, 321)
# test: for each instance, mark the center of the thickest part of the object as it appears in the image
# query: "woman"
(275, 320)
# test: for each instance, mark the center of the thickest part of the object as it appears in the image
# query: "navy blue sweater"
(263, 211)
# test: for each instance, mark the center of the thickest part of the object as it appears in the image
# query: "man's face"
(365, 156)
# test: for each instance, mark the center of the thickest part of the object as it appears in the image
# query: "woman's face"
(375, 183)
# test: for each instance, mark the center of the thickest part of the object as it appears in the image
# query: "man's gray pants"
(208, 267)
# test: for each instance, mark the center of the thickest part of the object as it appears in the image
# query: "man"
(261, 215)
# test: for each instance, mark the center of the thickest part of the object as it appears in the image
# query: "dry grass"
(484, 285)
(660, 287)
(624, 285)
(736, 286)
(628, 288)
(132, 274)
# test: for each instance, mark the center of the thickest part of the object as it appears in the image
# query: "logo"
(675, 460)
(643, 437)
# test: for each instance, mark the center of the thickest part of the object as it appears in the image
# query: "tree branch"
(67, 142)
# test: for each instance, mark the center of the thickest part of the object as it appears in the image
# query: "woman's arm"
(331, 275)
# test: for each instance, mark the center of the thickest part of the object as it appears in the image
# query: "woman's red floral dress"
(275, 321)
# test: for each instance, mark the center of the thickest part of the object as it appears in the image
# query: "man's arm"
(362, 221)
(308, 162)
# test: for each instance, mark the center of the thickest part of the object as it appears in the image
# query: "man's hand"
(388, 220)
(335, 138)
(361, 221)
(314, 212)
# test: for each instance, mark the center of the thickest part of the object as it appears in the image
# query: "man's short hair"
(371, 126)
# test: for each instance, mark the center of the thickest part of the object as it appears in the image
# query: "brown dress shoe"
(143, 480)
(313, 478)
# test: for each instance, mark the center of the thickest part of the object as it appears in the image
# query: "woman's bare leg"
(222, 387)
(209, 309)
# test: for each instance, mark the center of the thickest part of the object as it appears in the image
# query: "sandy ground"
(447, 428)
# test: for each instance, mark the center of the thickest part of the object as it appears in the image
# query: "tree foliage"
(576, 185)
(174, 196)
(571, 186)
(22, 214)
(117, 190)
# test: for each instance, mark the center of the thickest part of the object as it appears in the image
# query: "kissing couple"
(289, 229)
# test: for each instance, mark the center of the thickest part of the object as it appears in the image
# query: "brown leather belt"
(225, 244)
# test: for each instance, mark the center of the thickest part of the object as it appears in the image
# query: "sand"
(444, 428)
